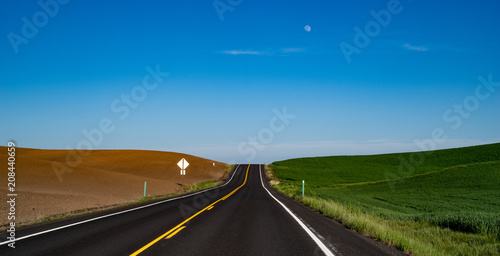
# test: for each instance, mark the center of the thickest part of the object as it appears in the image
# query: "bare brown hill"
(100, 178)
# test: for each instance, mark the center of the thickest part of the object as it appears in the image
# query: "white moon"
(307, 28)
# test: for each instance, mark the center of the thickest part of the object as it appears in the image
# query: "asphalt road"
(242, 217)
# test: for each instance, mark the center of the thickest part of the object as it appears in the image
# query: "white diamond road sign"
(183, 164)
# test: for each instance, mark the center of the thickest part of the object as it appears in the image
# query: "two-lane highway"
(242, 217)
(243, 222)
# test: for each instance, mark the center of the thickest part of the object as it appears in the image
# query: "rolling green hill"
(336, 170)
(454, 189)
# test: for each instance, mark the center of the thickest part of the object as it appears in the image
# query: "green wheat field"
(456, 190)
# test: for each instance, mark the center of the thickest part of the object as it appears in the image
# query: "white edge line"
(117, 213)
(321, 245)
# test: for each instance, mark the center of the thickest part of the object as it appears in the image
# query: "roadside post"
(183, 164)
(302, 188)
(144, 189)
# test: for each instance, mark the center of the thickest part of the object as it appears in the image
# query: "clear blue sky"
(227, 76)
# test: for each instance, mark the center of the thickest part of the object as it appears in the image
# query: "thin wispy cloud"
(267, 52)
(243, 52)
(415, 48)
(291, 50)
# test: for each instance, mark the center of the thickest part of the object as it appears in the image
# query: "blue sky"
(231, 69)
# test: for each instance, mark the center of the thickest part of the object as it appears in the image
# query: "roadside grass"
(230, 168)
(205, 185)
(185, 190)
(452, 209)
(413, 237)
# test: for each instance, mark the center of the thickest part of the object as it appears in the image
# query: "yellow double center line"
(179, 227)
